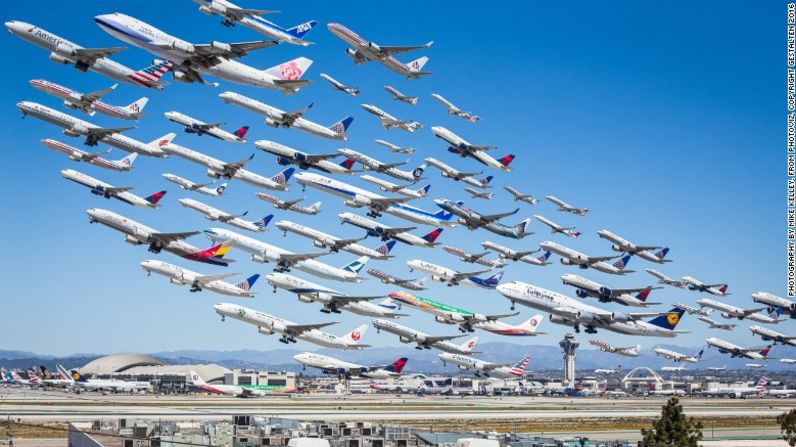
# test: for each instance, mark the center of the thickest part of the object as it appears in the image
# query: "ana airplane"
(573, 257)
(444, 313)
(630, 351)
(395, 148)
(587, 288)
(518, 196)
(564, 206)
(198, 282)
(193, 125)
(336, 85)
(108, 384)
(466, 177)
(365, 51)
(678, 357)
(424, 341)
(478, 194)
(475, 258)
(484, 368)
(94, 158)
(347, 370)
(232, 390)
(643, 251)
(250, 18)
(694, 310)
(371, 164)
(235, 220)
(100, 188)
(555, 228)
(89, 103)
(728, 311)
(769, 335)
(788, 306)
(334, 243)
(663, 279)
(201, 188)
(409, 284)
(287, 155)
(715, 324)
(460, 146)
(454, 278)
(390, 122)
(738, 392)
(453, 110)
(514, 255)
(140, 234)
(385, 232)
(474, 220)
(398, 96)
(734, 350)
(699, 286)
(386, 186)
(290, 205)
(63, 51)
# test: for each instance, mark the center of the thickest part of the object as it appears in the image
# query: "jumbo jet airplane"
(455, 111)
(514, 255)
(628, 351)
(287, 155)
(454, 278)
(193, 125)
(556, 228)
(201, 188)
(643, 251)
(267, 324)
(108, 384)
(395, 148)
(74, 127)
(424, 341)
(95, 158)
(64, 52)
(337, 85)
(232, 390)
(443, 313)
(788, 306)
(334, 243)
(474, 220)
(409, 284)
(698, 286)
(466, 177)
(391, 169)
(573, 257)
(564, 206)
(729, 312)
(89, 103)
(678, 357)
(518, 196)
(777, 337)
(734, 350)
(100, 188)
(347, 370)
(478, 194)
(663, 279)
(738, 392)
(386, 186)
(398, 96)
(217, 168)
(389, 122)
(140, 234)
(483, 368)
(475, 258)
(715, 324)
(462, 147)
(585, 288)
(216, 58)
(365, 51)
(279, 118)
(250, 18)
(236, 220)
(385, 232)
(694, 310)
(180, 276)
(290, 205)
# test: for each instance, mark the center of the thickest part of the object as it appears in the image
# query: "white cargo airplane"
(729, 312)
(193, 125)
(287, 155)
(250, 18)
(290, 205)
(279, 118)
(715, 324)
(334, 243)
(788, 306)
(409, 284)
(386, 186)
(424, 341)
(337, 85)
(449, 276)
(347, 370)
(585, 288)
(389, 122)
(395, 148)
(694, 310)
(518, 196)
(556, 228)
(201, 188)
(453, 110)
(627, 351)
(769, 335)
(475, 258)
(391, 169)
(232, 390)
(663, 279)
(89, 103)
(679, 357)
(95, 158)
(514, 255)
(100, 188)
(734, 350)
(564, 206)
(215, 214)
(484, 368)
(398, 96)
(573, 257)
(385, 232)
(698, 286)
(180, 276)
(462, 147)
(466, 177)
(444, 313)
(478, 194)
(643, 251)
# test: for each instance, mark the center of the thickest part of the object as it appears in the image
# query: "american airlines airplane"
(201, 188)
(663, 279)
(339, 86)
(390, 122)
(95, 158)
(462, 147)
(768, 335)
(395, 148)
(627, 351)
(409, 284)
(643, 251)
(385, 232)
(475, 258)
(287, 155)
(424, 341)
(734, 350)
(279, 118)
(100, 188)
(729, 312)
(556, 228)
(483, 368)
(290, 205)
(678, 357)
(564, 206)
(698, 286)
(215, 214)
(180, 276)
(514, 255)
(391, 169)
(334, 243)
(573, 257)
(454, 278)
(788, 306)
(347, 370)
(585, 288)
(193, 125)
(89, 103)
(444, 313)
(398, 96)
(386, 186)
(738, 392)
(250, 18)
(518, 196)
(455, 111)
(364, 51)
(466, 177)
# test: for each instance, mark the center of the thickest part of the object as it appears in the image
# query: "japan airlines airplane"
(629, 351)
(336, 85)
(89, 103)
(573, 257)
(385, 232)
(789, 307)
(232, 390)
(474, 220)
(74, 127)
(556, 228)
(215, 214)
(478, 194)
(564, 206)
(409, 284)
(267, 324)
(454, 278)
(769, 335)
(699, 286)
(678, 357)
(424, 341)
(180, 276)
(524, 329)
(193, 125)
(386, 186)
(444, 313)
(94, 158)
(518, 196)
(395, 148)
(100, 188)
(140, 234)
(729, 312)
(643, 252)
(340, 368)
(334, 243)
(201, 188)
(694, 310)
(453, 110)
(290, 205)
(371, 164)
(389, 122)
(398, 96)
(217, 168)
(475, 258)
(287, 155)
(734, 350)
(663, 279)
(279, 118)
(484, 368)
(108, 384)
(466, 177)
(216, 58)
(365, 51)
(585, 288)
(460, 146)
(250, 18)
(715, 324)
(63, 51)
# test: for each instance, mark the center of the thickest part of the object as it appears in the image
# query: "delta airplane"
(466, 177)
(108, 384)
(629, 351)
(484, 368)
(333, 243)
(585, 288)
(216, 58)
(573, 257)
(287, 155)
(63, 52)
(217, 168)
(347, 370)
(268, 324)
(455, 111)
(475, 258)
(201, 188)
(678, 357)
(734, 350)
(514, 255)
(366, 51)
(643, 251)
(424, 341)
(729, 312)
(398, 96)
(385, 232)
(444, 313)
(564, 206)
(372, 164)
(518, 196)
(715, 324)
(699, 286)
(74, 127)
(290, 205)
(769, 335)
(474, 220)
(89, 103)
(395, 148)
(279, 118)
(454, 278)
(250, 18)
(386, 186)
(789, 307)
(570, 312)
(694, 310)
(409, 284)
(198, 282)
(478, 194)
(235, 220)
(460, 146)
(663, 279)
(232, 390)
(100, 188)
(389, 122)
(140, 234)
(95, 158)
(337, 85)
(193, 125)
(556, 228)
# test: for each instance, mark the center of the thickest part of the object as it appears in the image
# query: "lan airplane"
(95, 158)
(424, 341)
(180, 276)
(389, 122)
(201, 188)
(455, 111)
(235, 220)
(100, 188)
(89, 103)
(462, 147)
(250, 18)
(193, 125)
(587, 288)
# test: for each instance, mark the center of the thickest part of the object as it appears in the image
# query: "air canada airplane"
(250, 18)
(463, 148)
(347, 370)
(94, 158)
(198, 282)
(100, 188)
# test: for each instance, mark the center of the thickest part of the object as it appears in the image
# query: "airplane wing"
(169, 237)
(352, 299)
(231, 50)
(391, 165)
(403, 49)
(298, 257)
(291, 117)
(640, 289)
(93, 96)
(498, 216)
(477, 148)
(342, 243)
(207, 126)
(227, 217)
(103, 131)
(321, 157)
(491, 366)
(464, 275)
(298, 329)
(596, 259)
(387, 201)
(239, 13)
(235, 166)
(93, 155)
(396, 230)
(204, 279)
(92, 54)
(639, 315)
(434, 339)
(289, 203)
(114, 190)
(499, 316)
(479, 255)
(647, 247)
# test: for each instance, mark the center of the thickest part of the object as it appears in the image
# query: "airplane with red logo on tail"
(347, 370)
(89, 103)
(95, 158)
(194, 126)
(424, 341)
(100, 188)
(287, 155)
(483, 368)
(462, 147)
(735, 351)
(586, 288)
(699, 286)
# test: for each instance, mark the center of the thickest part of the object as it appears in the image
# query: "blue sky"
(663, 118)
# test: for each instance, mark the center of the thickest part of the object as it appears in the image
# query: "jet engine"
(605, 292)
(264, 330)
(619, 317)
(212, 173)
(405, 339)
(566, 261)
(131, 240)
(78, 129)
(58, 59)
(728, 316)
(175, 281)
(225, 47)
(184, 47)
(556, 319)
(582, 293)
(358, 201)
(180, 76)
(586, 317)
(259, 258)
(441, 319)
(374, 47)
(462, 367)
(318, 244)
(271, 122)
(306, 298)
(616, 248)
(353, 54)
(284, 161)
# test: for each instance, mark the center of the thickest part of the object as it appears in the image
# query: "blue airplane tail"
(443, 215)
(262, 223)
(386, 247)
(493, 280)
(699, 355)
(424, 190)
(76, 376)
(485, 181)
(341, 126)
(302, 29)
(622, 263)
(248, 282)
(670, 320)
(284, 176)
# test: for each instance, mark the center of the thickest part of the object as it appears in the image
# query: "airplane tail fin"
(348, 163)
(764, 352)
(241, 132)
(137, 108)
(485, 181)
(506, 160)
(299, 31)
(247, 283)
(216, 251)
(643, 295)
(385, 248)
(423, 192)
(432, 235)
(443, 215)
(420, 283)
(221, 188)
(397, 366)
(196, 379)
(45, 373)
(355, 336)
(622, 263)
(661, 254)
(416, 65)
(263, 223)
(149, 76)
(699, 355)
(521, 227)
(762, 383)
(494, 280)
(670, 320)
(341, 126)
(519, 368)
(76, 376)
(155, 198)
(162, 141)
(418, 171)
(774, 312)
(282, 177)
(723, 289)
(356, 265)
(128, 160)
(544, 257)
(63, 372)
(291, 70)
(315, 207)
(469, 344)
(533, 323)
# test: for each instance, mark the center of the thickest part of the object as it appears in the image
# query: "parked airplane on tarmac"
(573, 257)
(391, 169)
(235, 220)
(446, 314)
(698, 286)
(201, 188)
(180, 276)
(365, 51)
(556, 228)
(455, 111)
(475, 258)
(518, 196)
(424, 341)
(100, 188)
(287, 155)
(334, 243)
(95, 158)
(232, 390)
(729, 311)
(336, 85)
(193, 125)
(514, 255)
(462, 147)
(398, 96)
(108, 384)
(564, 206)
(347, 370)
(734, 350)
(738, 392)
(768, 335)
(454, 278)
(483, 368)
(290, 205)
(473, 219)
(715, 324)
(409, 284)
(250, 18)
(788, 361)
(663, 279)
(678, 357)
(386, 186)
(389, 122)
(788, 306)
(629, 351)
(385, 232)
(395, 148)
(89, 103)
(466, 177)
(587, 288)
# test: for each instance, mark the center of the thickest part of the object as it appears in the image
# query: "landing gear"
(223, 318)
(514, 307)
(155, 247)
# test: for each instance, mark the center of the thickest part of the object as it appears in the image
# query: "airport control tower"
(568, 344)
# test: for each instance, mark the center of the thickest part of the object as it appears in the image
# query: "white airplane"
(556, 228)
(217, 168)
(250, 18)
(334, 243)
(788, 361)
(232, 390)
(484, 368)
(216, 58)
(734, 350)
(332, 300)
(385, 232)
(290, 205)
(717, 368)
(694, 310)
(466, 177)
(424, 341)
(347, 370)
(573, 257)
(236, 220)
(564, 206)
(526, 328)
(644, 252)
(715, 324)
(674, 369)
(729, 312)
(391, 169)
(738, 392)
(699, 286)
(287, 155)
(474, 220)
(679, 357)
(386, 186)
(460, 146)
(608, 370)
(336, 85)
(180, 276)
(201, 188)
(267, 324)
(100, 188)
(140, 234)
(514, 255)
(409, 284)
(95, 158)
(475, 258)
(89, 103)
(769, 335)
(453, 110)
(452, 277)
(279, 118)
(398, 96)
(663, 279)
(396, 148)
(74, 127)
(63, 52)
(193, 125)
(389, 122)
(788, 306)
(108, 384)
(629, 351)
(478, 194)
(585, 288)
(444, 313)
(518, 196)
(365, 51)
